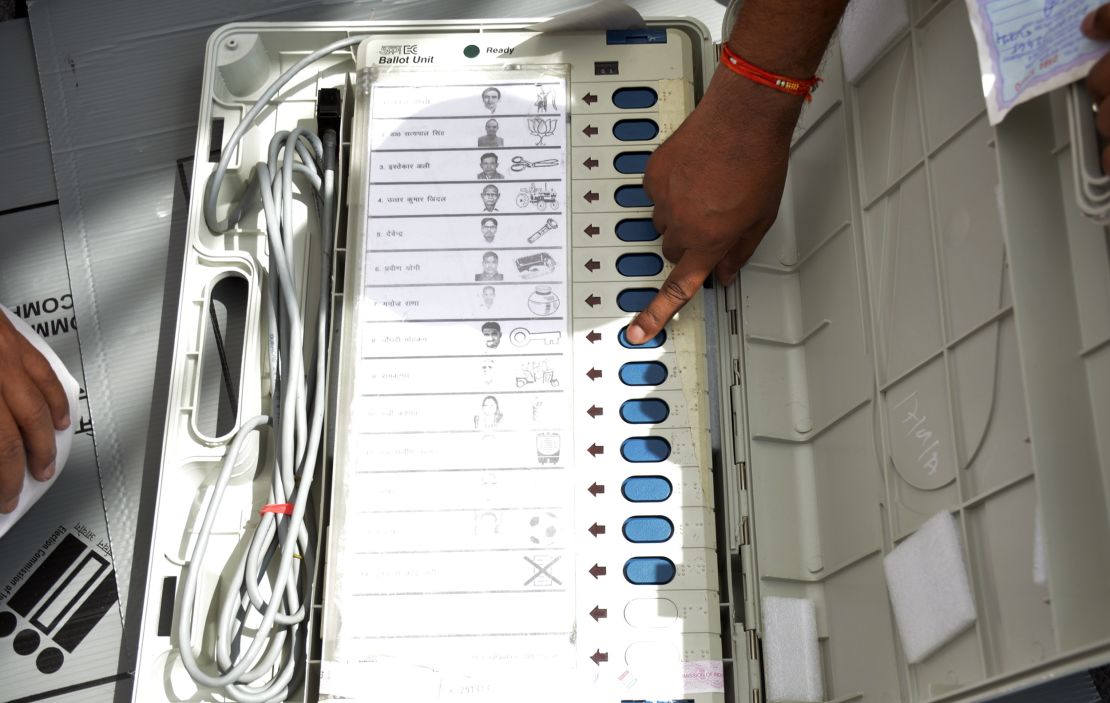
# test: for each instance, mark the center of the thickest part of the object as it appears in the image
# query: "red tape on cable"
(277, 509)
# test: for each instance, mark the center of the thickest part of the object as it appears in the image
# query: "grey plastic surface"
(21, 115)
(929, 278)
(121, 82)
(888, 271)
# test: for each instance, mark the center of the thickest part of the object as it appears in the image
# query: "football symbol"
(542, 529)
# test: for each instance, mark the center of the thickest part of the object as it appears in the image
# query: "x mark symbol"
(542, 570)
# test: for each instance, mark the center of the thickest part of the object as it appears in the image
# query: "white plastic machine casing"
(917, 249)
(687, 626)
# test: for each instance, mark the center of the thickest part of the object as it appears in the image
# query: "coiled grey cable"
(211, 197)
(266, 599)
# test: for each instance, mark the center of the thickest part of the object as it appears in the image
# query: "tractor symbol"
(542, 198)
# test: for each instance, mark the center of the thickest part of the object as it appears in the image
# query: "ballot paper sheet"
(462, 561)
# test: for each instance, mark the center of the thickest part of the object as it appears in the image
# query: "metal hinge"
(739, 431)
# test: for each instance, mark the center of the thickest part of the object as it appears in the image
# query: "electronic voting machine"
(411, 456)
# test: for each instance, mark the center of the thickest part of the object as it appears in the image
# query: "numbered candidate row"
(429, 451)
(482, 100)
(466, 232)
(437, 199)
(468, 266)
(495, 164)
(415, 305)
(461, 412)
(487, 374)
(462, 338)
(420, 134)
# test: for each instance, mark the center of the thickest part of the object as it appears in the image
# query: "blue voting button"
(632, 196)
(635, 299)
(650, 529)
(637, 229)
(641, 450)
(631, 161)
(639, 264)
(643, 373)
(656, 341)
(634, 98)
(644, 411)
(646, 489)
(635, 130)
(649, 571)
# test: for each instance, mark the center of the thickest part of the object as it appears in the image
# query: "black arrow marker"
(594, 337)
(594, 374)
(593, 300)
(590, 130)
(596, 529)
(590, 163)
(598, 613)
(589, 98)
(598, 657)
(592, 230)
(591, 197)
(596, 449)
(592, 265)
(597, 570)
(596, 488)
(594, 411)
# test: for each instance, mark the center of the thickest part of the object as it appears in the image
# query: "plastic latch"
(636, 36)
(329, 109)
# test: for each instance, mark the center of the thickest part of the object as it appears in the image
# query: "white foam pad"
(929, 588)
(791, 659)
(868, 28)
(32, 487)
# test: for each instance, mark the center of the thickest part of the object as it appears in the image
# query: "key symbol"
(521, 337)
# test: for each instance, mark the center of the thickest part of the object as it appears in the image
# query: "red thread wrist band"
(277, 509)
(802, 87)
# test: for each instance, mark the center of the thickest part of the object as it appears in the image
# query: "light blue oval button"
(635, 130)
(643, 373)
(635, 299)
(639, 229)
(644, 411)
(640, 450)
(634, 98)
(649, 571)
(656, 341)
(639, 264)
(631, 161)
(646, 489)
(649, 529)
(632, 196)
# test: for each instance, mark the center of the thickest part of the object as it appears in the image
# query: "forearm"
(785, 36)
(717, 181)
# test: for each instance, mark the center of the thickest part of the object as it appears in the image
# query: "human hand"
(1096, 25)
(33, 405)
(716, 184)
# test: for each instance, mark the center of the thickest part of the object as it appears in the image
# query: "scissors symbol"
(520, 163)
